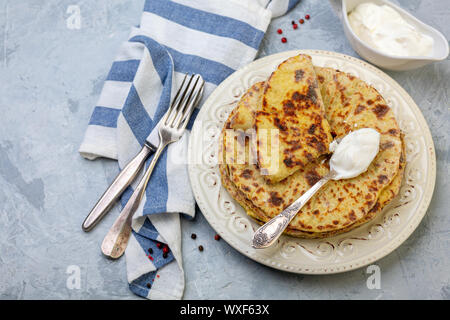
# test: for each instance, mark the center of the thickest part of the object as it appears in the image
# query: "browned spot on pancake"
(313, 142)
(312, 93)
(333, 134)
(380, 110)
(288, 162)
(278, 123)
(340, 199)
(386, 145)
(259, 190)
(360, 108)
(264, 102)
(255, 185)
(262, 113)
(335, 222)
(308, 156)
(309, 96)
(312, 128)
(246, 189)
(312, 177)
(382, 178)
(320, 227)
(296, 146)
(393, 132)
(352, 215)
(321, 79)
(274, 199)
(375, 207)
(315, 212)
(299, 75)
(296, 96)
(370, 102)
(289, 108)
(247, 174)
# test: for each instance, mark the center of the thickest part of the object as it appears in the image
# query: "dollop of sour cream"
(353, 155)
(384, 29)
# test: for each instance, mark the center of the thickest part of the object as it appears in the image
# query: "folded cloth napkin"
(209, 37)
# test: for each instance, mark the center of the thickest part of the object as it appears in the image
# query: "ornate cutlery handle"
(267, 234)
(115, 242)
(120, 183)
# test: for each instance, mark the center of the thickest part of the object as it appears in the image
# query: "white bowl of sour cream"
(389, 37)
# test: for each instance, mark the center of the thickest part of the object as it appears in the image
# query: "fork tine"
(175, 100)
(197, 93)
(180, 100)
(186, 101)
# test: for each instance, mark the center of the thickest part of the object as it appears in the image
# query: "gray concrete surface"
(50, 78)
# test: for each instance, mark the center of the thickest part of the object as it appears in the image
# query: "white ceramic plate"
(345, 252)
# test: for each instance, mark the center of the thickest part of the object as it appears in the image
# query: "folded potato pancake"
(290, 124)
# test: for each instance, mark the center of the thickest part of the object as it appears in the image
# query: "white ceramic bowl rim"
(402, 12)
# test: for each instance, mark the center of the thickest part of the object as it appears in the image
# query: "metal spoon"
(266, 235)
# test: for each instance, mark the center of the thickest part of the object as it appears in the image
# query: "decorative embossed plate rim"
(357, 248)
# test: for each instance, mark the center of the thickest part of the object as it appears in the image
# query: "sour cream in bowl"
(390, 37)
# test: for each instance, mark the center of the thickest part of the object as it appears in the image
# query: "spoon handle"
(267, 234)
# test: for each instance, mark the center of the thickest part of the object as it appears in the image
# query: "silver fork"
(170, 130)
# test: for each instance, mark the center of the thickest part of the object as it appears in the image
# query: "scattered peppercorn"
(193, 236)
(159, 245)
(149, 285)
(150, 250)
(200, 248)
(301, 21)
(295, 26)
(280, 31)
(307, 17)
(217, 237)
(283, 40)
(292, 22)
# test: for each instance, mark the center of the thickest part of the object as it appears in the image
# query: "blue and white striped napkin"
(209, 37)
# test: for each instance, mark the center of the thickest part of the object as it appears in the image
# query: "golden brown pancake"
(290, 124)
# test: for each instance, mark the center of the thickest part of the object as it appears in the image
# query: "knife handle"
(120, 183)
